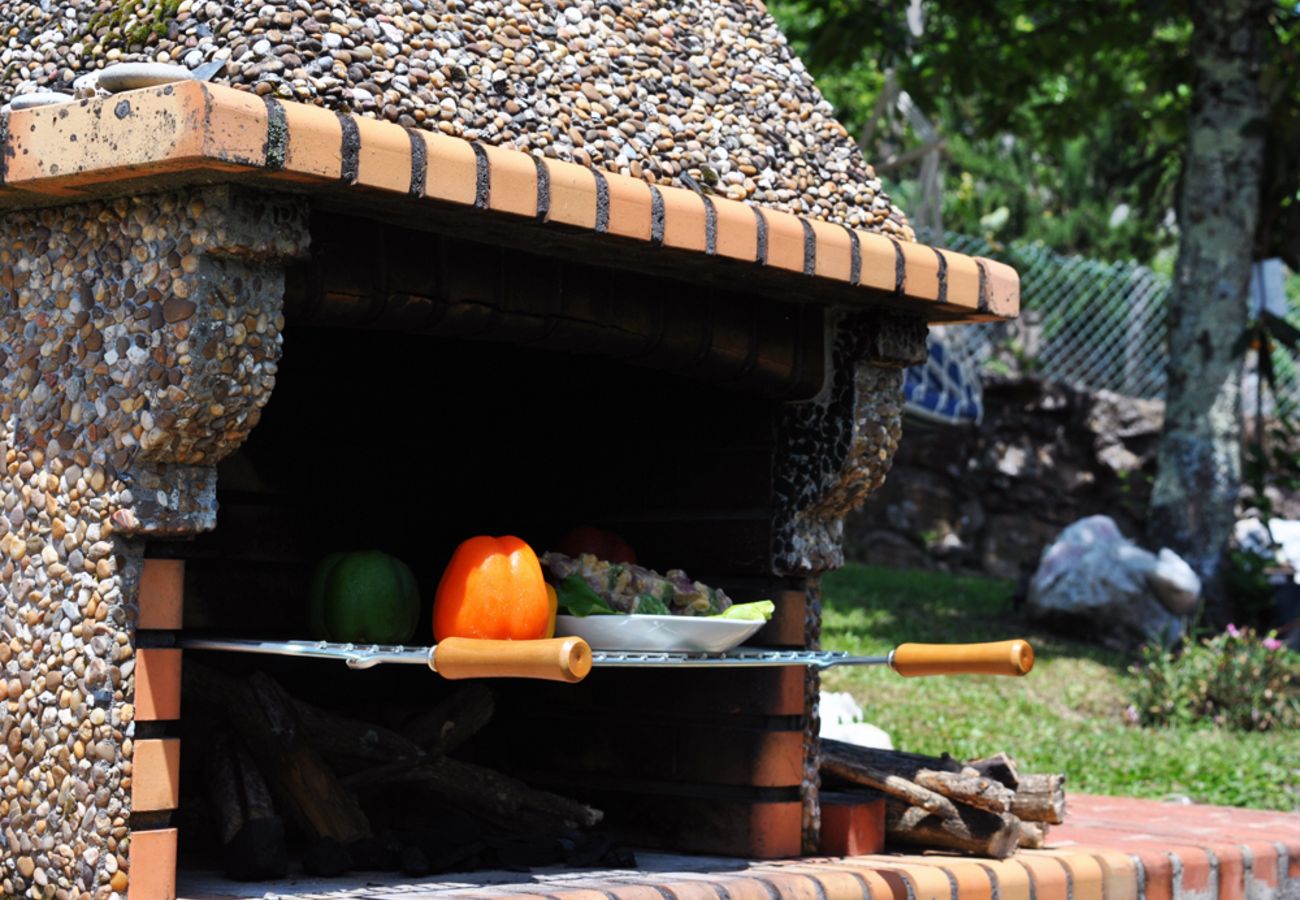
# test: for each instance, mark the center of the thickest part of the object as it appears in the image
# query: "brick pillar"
(139, 339)
(832, 452)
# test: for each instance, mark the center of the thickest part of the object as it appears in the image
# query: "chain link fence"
(1089, 323)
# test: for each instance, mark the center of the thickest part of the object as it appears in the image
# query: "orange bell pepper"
(492, 588)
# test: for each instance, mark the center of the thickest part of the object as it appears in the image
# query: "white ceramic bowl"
(658, 634)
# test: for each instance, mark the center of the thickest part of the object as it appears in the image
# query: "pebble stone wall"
(700, 93)
(833, 452)
(138, 341)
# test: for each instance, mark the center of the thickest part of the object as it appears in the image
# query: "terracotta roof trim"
(74, 150)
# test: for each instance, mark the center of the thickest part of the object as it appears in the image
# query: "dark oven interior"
(378, 438)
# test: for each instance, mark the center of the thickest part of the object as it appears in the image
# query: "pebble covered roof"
(706, 95)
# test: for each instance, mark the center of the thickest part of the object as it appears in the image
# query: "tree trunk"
(1199, 462)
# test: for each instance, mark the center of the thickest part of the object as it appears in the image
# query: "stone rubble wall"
(989, 498)
(138, 341)
(706, 95)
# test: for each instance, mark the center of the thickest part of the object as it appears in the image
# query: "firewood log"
(972, 788)
(500, 799)
(1040, 798)
(974, 831)
(895, 762)
(453, 721)
(1033, 835)
(1000, 767)
(841, 765)
(252, 835)
(264, 716)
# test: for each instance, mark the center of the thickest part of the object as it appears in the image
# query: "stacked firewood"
(279, 771)
(984, 807)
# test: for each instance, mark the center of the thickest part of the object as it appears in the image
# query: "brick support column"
(139, 339)
(832, 453)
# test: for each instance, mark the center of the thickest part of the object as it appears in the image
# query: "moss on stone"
(135, 21)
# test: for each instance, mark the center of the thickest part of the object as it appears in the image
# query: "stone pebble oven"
(240, 331)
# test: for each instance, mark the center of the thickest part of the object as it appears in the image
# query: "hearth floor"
(1110, 848)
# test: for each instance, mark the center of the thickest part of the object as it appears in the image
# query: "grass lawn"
(1067, 715)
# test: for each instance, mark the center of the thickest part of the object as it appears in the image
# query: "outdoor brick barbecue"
(157, 243)
(313, 315)
(242, 328)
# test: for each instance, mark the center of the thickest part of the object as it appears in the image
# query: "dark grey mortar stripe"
(351, 148)
(772, 890)
(602, 201)
(943, 275)
(993, 882)
(543, 189)
(4, 146)
(809, 248)
(482, 177)
(710, 226)
(1069, 875)
(1176, 875)
(952, 882)
(1283, 865)
(722, 892)
(1141, 871)
(983, 305)
(762, 235)
(1033, 886)
(1215, 875)
(419, 164)
(855, 262)
(862, 883)
(817, 885)
(656, 216)
(277, 134)
(900, 270)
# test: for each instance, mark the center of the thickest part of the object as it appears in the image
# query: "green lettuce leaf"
(650, 605)
(574, 596)
(760, 610)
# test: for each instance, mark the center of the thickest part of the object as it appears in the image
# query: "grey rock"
(1094, 579)
(130, 76)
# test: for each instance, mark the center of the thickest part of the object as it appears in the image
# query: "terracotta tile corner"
(834, 257)
(153, 865)
(512, 181)
(162, 594)
(880, 258)
(156, 775)
(451, 169)
(630, 207)
(785, 240)
(313, 144)
(737, 230)
(384, 158)
(684, 219)
(572, 194)
(157, 684)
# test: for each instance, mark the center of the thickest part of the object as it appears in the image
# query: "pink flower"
(1271, 643)
(1233, 631)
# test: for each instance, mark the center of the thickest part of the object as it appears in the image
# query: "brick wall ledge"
(191, 132)
(1109, 849)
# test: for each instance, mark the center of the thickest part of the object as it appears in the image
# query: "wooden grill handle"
(553, 659)
(997, 658)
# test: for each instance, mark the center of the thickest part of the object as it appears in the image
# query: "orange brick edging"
(1108, 849)
(204, 132)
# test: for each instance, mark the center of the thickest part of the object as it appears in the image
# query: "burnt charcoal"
(257, 852)
(465, 858)
(328, 859)
(373, 855)
(414, 862)
(524, 853)
(600, 850)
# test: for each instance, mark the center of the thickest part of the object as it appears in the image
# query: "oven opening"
(409, 444)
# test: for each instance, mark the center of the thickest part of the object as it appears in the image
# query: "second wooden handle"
(996, 658)
(553, 659)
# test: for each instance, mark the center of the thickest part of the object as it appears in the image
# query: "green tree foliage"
(1064, 122)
